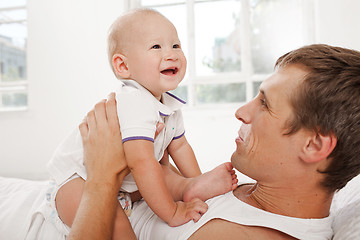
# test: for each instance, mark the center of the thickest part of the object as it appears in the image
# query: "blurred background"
(54, 68)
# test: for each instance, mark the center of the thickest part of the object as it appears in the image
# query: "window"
(232, 45)
(13, 35)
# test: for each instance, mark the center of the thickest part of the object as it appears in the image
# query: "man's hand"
(103, 151)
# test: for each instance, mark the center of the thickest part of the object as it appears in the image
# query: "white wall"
(68, 72)
(337, 23)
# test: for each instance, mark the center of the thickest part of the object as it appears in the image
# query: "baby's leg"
(220, 180)
(68, 200)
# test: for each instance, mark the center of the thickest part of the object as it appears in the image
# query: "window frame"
(20, 86)
(247, 74)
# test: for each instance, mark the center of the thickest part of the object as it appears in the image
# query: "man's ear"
(318, 147)
(119, 63)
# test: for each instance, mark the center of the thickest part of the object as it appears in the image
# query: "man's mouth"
(238, 138)
(170, 71)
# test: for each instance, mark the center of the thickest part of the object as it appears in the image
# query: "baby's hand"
(186, 211)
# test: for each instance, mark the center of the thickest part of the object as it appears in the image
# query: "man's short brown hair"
(328, 102)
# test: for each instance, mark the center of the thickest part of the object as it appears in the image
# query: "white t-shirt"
(139, 112)
(148, 226)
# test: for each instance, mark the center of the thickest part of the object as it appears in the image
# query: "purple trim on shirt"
(172, 95)
(163, 114)
(177, 137)
(137, 138)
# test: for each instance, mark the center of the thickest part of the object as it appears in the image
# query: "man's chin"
(235, 160)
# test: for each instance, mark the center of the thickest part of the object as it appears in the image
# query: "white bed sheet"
(346, 209)
(21, 205)
(20, 199)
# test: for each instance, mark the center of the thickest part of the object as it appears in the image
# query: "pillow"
(346, 211)
(346, 225)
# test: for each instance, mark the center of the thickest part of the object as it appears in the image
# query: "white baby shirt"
(139, 112)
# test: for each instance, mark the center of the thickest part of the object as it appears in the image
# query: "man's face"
(263, 150)
(155, 57)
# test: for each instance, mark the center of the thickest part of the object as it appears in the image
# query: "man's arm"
(106, 167)
(97, 212)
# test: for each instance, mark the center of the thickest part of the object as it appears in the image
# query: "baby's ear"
(318, 147)
(119, 63)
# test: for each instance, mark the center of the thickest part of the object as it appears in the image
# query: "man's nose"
(244, 113)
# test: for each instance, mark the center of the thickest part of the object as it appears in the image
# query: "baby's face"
(154, 55)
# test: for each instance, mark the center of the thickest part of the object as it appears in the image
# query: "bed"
(20, 198)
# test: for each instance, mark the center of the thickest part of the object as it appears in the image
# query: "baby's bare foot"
(220, 180)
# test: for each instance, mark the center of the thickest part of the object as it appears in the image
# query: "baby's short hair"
(116, 31)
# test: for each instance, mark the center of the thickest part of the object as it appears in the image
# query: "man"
(299, 140)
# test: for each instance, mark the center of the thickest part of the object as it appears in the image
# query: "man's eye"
(263, 103)
(176, 46)
(156, 46)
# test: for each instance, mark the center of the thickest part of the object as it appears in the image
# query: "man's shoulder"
(222, 229)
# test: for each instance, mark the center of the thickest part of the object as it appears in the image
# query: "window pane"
(12, 3)
(217, 37)
(256, 86)
(220, 93)
(13, 35)
(276, 29)
(13, 100)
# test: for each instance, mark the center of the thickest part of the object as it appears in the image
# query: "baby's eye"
(156, 46)
(176, 46)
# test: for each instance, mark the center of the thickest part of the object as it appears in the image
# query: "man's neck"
(292, 202)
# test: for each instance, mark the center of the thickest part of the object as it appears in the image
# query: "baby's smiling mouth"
(170, 71)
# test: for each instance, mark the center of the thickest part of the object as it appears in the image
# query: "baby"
(145, 54)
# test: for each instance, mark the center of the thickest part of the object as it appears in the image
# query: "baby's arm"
(148, 176)
(184, 157)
